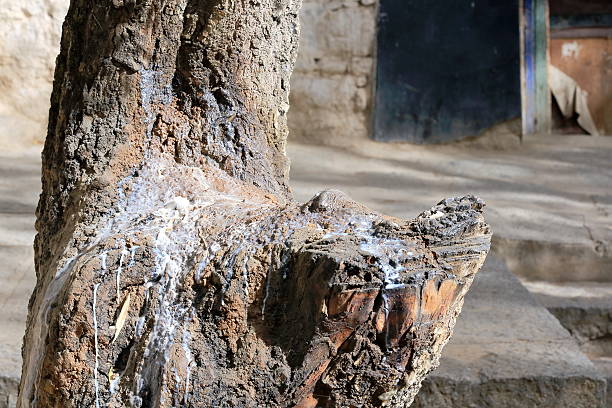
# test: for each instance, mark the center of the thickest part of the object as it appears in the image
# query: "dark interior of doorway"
(446, 70)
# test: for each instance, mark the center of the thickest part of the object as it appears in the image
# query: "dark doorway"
(446, 69)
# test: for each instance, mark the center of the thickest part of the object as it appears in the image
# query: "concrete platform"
(508, 351)
(549, 199)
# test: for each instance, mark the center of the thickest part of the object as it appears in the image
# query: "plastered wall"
(331, 86)
(29, 42)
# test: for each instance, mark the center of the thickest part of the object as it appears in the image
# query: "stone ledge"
(508, 351)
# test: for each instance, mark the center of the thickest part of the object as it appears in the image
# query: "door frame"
(534, 26)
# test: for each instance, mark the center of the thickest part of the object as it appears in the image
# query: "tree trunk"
(174, 269)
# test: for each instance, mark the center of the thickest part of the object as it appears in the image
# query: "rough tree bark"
(174, 269)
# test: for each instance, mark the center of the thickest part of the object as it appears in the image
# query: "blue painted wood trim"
(534, 70)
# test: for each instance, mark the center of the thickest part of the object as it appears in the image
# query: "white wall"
(330, 88)
(29, 42)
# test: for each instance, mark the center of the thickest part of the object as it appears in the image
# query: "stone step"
(585, 310)
(604, 366)
(509, 351)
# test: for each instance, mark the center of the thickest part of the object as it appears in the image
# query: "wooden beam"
(535, 95)
(582, 32)
(580, 7)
